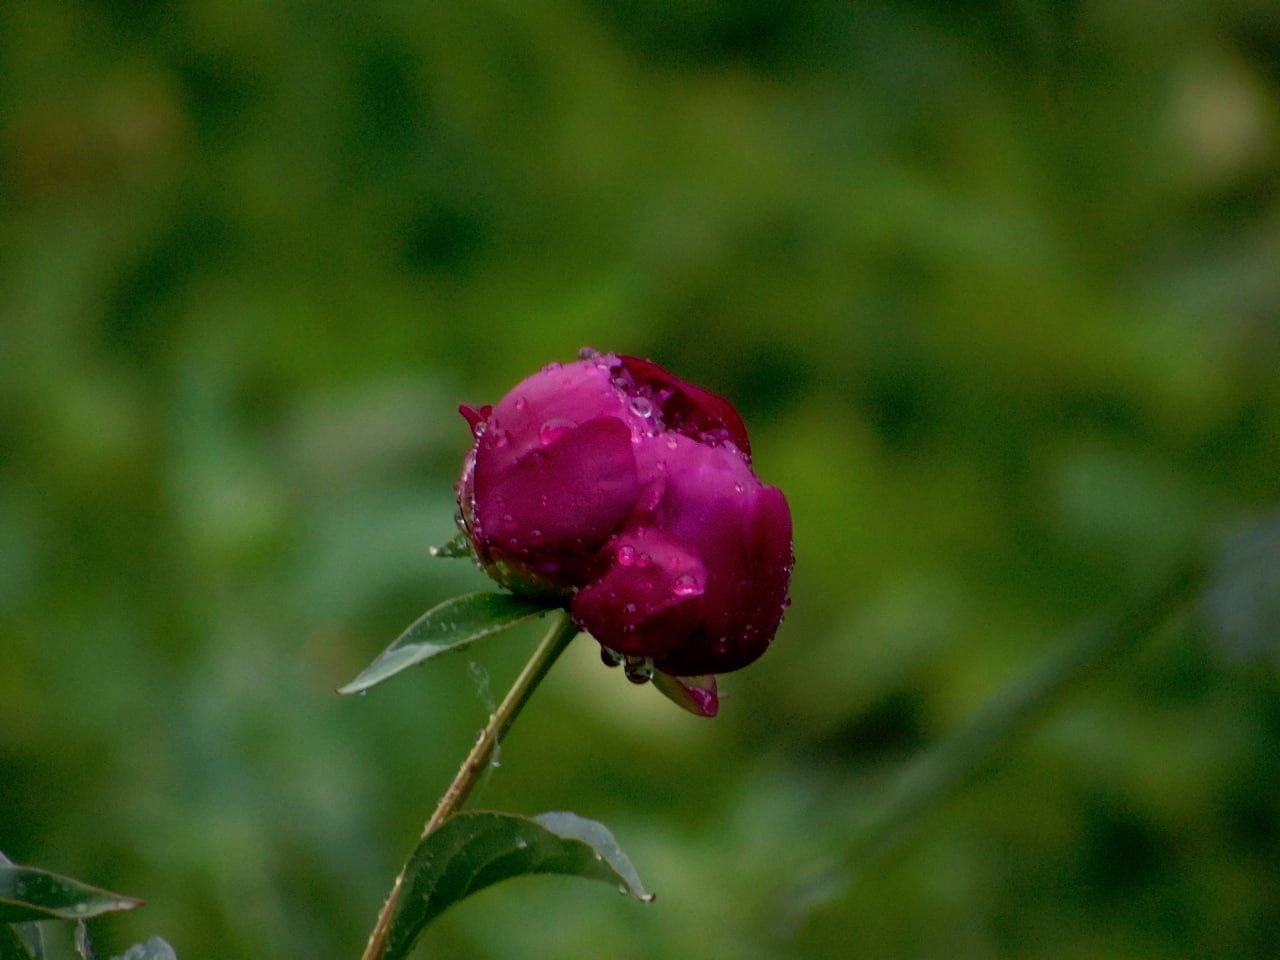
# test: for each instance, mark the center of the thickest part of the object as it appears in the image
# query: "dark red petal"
(742, 620)
(649, 599)
(689, 408)
(568, 496)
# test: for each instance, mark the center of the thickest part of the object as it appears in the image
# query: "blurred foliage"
(994, 284)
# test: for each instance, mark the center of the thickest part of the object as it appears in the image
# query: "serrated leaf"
(472, 851)
(153, 949)
(12, 946)
(459, 545)
(29, 893)
(450, 626)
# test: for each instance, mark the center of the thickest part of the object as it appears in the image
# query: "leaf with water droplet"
(459, 545)
(29, 893)
(452, 625)
(472, 851)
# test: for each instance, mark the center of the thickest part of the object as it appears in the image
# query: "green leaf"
(29, 893)
(153, 949)
(472, 851)
(459, 545)
(450, 626)
(12, 946)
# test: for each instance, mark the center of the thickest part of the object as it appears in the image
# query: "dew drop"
(553, 430)
(686, 585)
(643, 560)
(610, 658)
(521, 404)
(641, 407)
(626, 555)
(639, 669)
(588, 353)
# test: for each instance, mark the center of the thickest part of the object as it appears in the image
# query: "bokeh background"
(996, 286)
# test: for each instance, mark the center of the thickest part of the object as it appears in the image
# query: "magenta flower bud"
(631, 494)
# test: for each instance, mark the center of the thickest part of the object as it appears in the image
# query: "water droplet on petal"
(628, 609)
(610, 658)
(553, 430)
(639, 669)
(686, 585)
(521, 404)
(626, 555)
(641, 407)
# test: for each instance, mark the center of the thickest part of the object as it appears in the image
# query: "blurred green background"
(996, 286)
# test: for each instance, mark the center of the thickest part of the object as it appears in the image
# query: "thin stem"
(553, 644)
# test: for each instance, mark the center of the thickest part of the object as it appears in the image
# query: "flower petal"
(648, 599)
(698, 695)
(560, 501)
(688, 408)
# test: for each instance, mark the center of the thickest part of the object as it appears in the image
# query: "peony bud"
(631, 494)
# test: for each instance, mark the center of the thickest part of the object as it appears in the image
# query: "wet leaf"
(459, 545)
(153, 949)
(472, 851)
(29, 893)
(450, 626)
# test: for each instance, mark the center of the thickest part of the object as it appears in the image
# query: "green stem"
(925, 783)
(500, 721)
